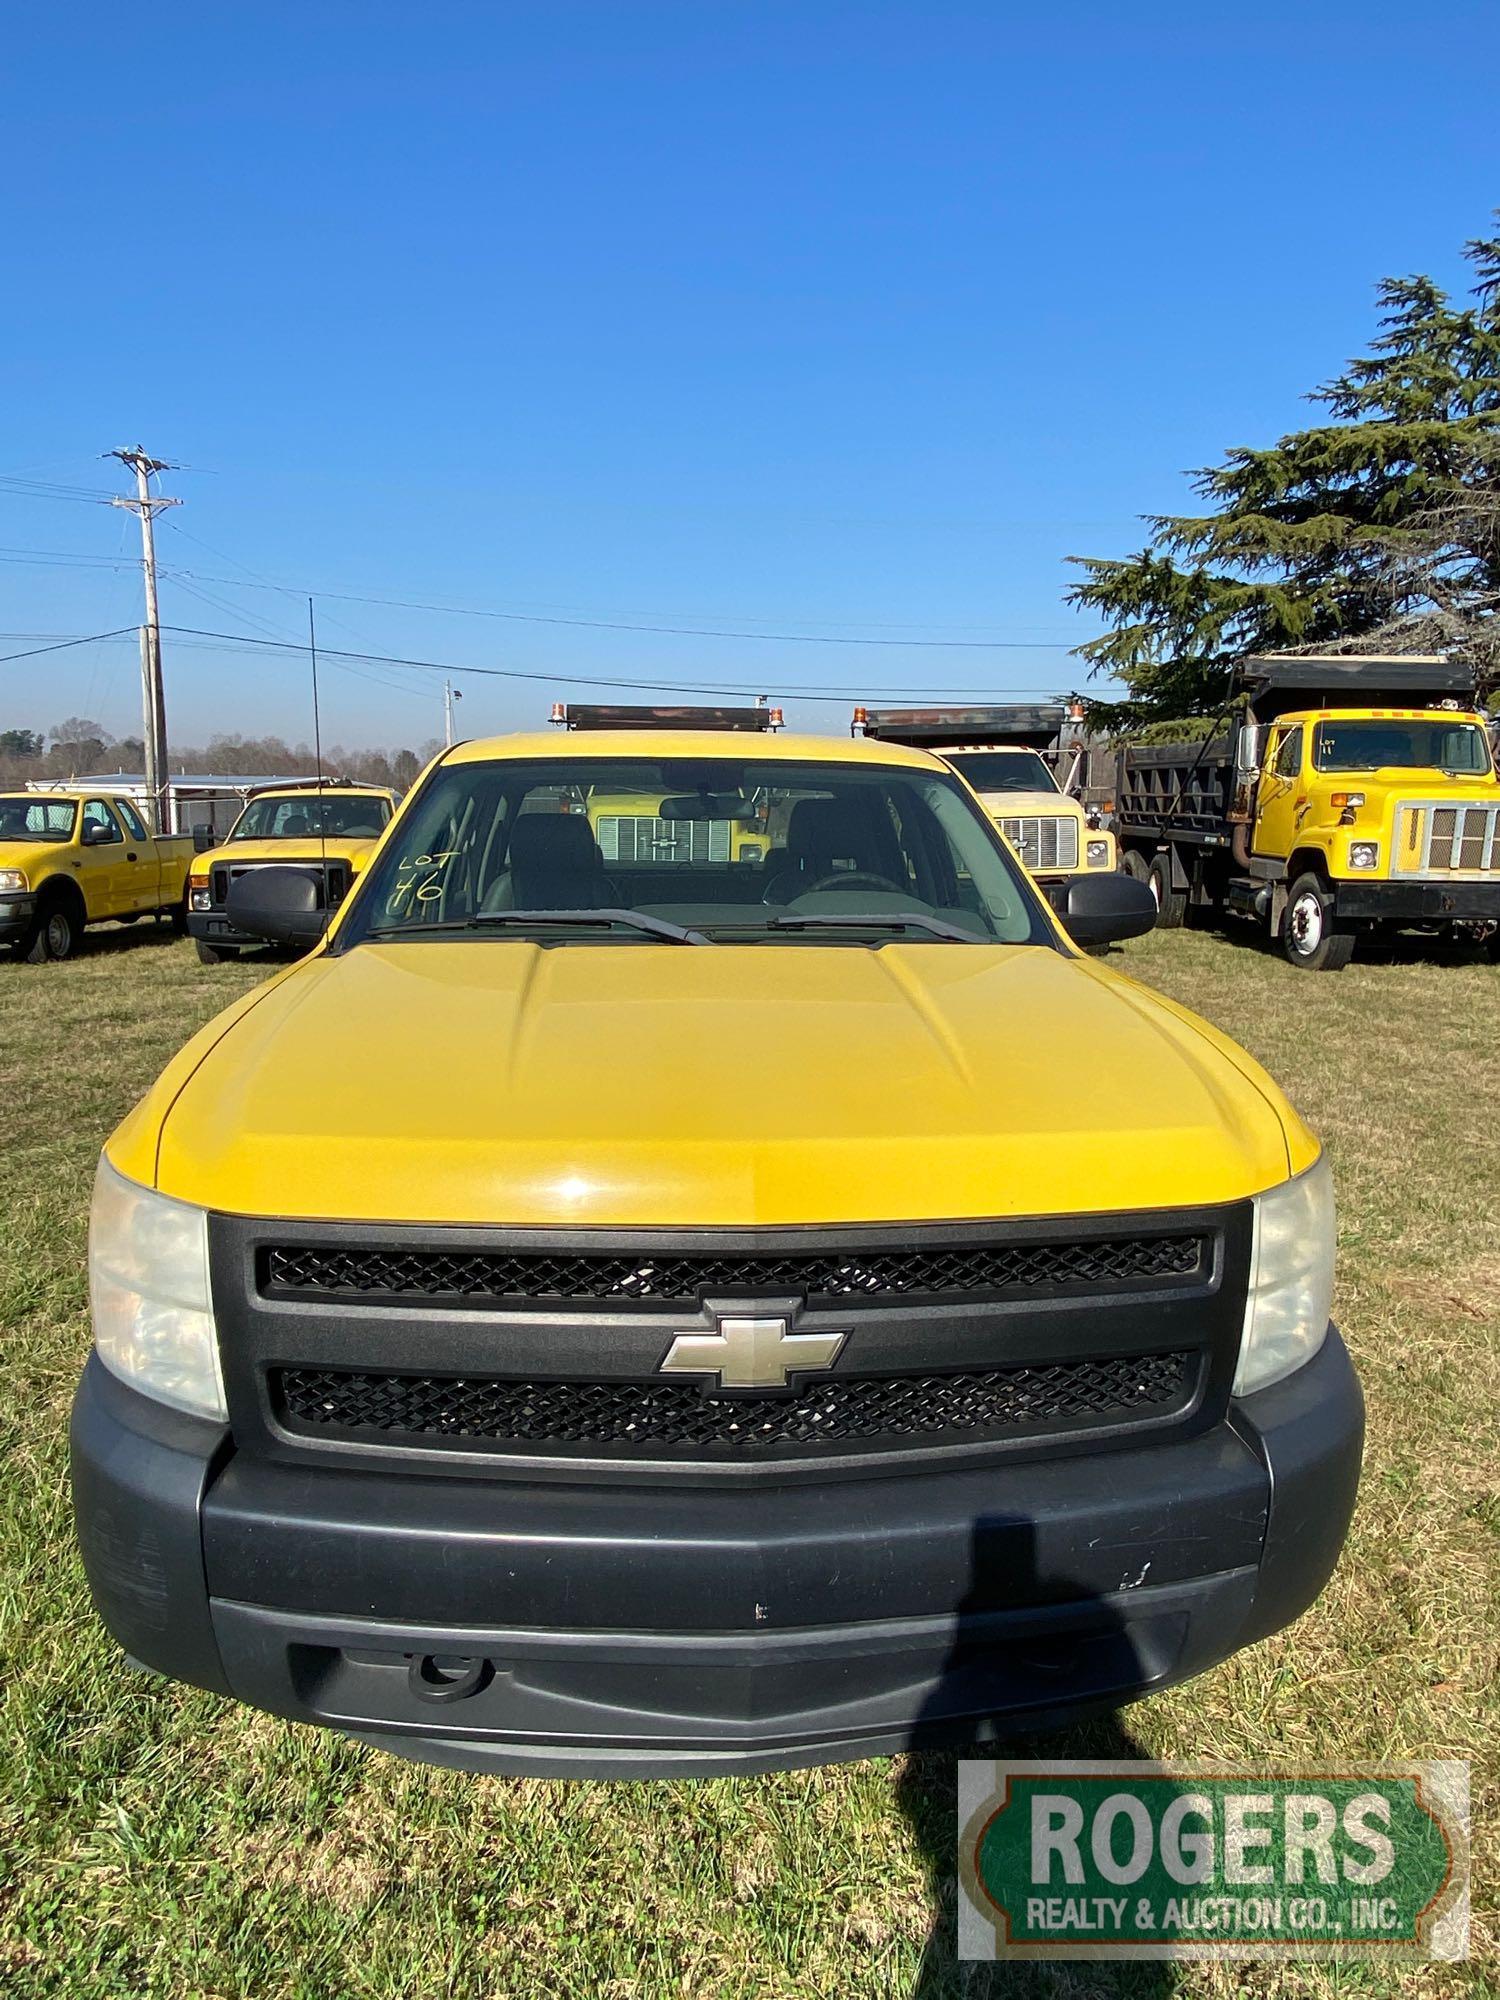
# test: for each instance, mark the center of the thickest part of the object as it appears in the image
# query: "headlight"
(12, 878)
(1291, 1279)
(148, 1287)
(200, 899)
(1097, 852)
(1364, 854)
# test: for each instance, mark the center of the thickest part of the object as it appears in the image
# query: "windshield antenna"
(312, 647)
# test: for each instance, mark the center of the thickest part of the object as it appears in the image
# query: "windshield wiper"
(935, 926)
(636, 920)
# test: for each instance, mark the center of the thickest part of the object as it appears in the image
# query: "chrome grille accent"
(643, 843)
(1436, 838)
(1049, 841)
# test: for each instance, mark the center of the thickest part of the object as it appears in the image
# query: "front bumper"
(633, 1631)
(213, 927)
(16, 913)
(1417, 902)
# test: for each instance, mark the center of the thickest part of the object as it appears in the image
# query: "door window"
(97, 813)
(133, 825)
(1289, 753)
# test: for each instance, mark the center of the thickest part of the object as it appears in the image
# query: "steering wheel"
(853, 878)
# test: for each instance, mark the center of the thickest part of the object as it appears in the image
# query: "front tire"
(1307, 934)
(216, 954)
(1171, 904)
(1134, 865)
(54, 934)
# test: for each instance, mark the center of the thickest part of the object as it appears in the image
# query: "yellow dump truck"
(68, 859)
(327, 827)
(1007, 753)
(605, 1318)
(1357, 798)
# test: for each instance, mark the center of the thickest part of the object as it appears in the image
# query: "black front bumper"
(1417, 902)
(641, 1630)
(213, 927)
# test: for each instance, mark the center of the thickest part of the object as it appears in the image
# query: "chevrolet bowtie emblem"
(750, 1353)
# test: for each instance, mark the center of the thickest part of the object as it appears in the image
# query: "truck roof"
(657, 744)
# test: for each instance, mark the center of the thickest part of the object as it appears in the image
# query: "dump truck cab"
(614, 1317)
(327, 827)
(1007, 754)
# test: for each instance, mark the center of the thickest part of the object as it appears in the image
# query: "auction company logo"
(1140, 1860)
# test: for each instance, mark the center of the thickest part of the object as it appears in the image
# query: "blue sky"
(847, 321)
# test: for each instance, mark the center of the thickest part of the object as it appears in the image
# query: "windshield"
(23, 816)
(727, 848)
(1003, 771)
(335, 815)
(1457, 747)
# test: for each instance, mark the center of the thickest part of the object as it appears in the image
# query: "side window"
(97, 813)
(132, 819)
(1289, 753)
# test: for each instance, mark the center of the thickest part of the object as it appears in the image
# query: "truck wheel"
(54, 932)
(1134, 865)
(215, 954)
(1307, 936)
(177, 916)
(1171, 904)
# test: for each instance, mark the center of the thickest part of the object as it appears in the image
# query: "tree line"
(78, 746)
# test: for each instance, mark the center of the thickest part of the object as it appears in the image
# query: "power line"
(576, 680)
(61, 645)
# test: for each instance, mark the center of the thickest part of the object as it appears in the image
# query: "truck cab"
(69, 859)
(1001, 753)
(328, 828)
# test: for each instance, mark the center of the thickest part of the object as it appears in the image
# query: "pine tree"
(1367, 524)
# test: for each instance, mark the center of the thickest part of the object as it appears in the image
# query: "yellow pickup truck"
(68, 859)
(592, 1318)
(327, 827)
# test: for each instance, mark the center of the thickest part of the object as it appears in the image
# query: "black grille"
(533, 1277)
(851, 1410)
(336, 876)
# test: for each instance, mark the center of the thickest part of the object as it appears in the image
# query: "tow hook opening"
(445, 1677)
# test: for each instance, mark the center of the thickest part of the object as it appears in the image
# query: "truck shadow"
(1020, 1726)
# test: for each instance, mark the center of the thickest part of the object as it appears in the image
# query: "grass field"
(154, 1840)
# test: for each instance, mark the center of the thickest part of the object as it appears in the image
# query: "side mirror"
(96, 835)
(1247, 751)
(281, 905)
(1103, 909)
(204, 837)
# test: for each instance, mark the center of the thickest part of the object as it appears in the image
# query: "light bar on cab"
(610, 715)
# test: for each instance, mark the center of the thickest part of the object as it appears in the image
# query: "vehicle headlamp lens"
(12, 879)
(1098, 853)
(1364, 854)
(1291, 1279)
(148, 1288)
(200, 899)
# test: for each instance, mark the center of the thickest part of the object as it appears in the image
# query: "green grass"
(155, 1840)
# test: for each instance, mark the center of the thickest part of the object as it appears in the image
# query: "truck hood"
(1029, 805)
(288, 852)
(33, 857)
(509, 1083)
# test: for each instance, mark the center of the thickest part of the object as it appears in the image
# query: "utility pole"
(146, 506)
(451, 694)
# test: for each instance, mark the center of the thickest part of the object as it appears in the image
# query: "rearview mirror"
(1247, 751)
(203, 837)
(281, 905)
(710, 805)
(1104, 909)
(95, 834)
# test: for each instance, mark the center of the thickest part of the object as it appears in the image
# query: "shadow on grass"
(1087, 1654)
